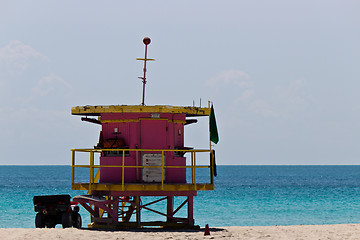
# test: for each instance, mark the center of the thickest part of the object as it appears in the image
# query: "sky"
(283, 75)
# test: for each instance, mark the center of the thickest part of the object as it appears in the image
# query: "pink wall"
(111, 175)
(139, 130)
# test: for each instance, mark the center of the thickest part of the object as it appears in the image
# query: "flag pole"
(209, 125)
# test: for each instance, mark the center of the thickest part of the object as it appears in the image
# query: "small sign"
(155, 115)
(152, 175)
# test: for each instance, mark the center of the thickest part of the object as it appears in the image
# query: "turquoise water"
(243, 195)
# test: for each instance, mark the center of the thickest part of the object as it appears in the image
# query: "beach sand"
(312, 232)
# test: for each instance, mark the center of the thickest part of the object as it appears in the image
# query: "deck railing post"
(192, 167)
(73, 168)
(162, 169)
(195, 188)
(212, 166)
(91, 168)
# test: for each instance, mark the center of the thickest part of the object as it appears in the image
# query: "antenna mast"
(146, 41)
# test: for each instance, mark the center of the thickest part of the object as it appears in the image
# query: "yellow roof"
(97, 110)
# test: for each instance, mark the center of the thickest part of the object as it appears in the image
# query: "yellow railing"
(123, 186)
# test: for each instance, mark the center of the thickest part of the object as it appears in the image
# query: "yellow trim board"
(139, 119)
(142, 187)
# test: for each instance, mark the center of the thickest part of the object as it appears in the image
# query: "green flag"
(214, 136)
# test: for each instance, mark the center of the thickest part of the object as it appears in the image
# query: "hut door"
(153, 136)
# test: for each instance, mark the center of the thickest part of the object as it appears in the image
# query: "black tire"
(50, 221)
(66, 220)
(39, 220)
(50, 224)
(77, 220)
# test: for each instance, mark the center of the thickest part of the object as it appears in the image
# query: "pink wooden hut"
(141, 153)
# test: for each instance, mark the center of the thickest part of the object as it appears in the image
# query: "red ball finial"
(146, 41)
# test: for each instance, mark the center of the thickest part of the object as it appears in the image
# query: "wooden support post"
(115, 209)
(190, 210)
(138, 211)
(97, 211)
(170, 208)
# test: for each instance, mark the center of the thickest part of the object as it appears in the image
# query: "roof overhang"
(98, 110)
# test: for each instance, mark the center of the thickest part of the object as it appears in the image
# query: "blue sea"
(243, 195)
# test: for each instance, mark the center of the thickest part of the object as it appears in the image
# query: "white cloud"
(49, 84)
(286, 101)
(235, 77)
(262, 107)
(293, 97)
(26, 77)
(17, 57)
(246, 95)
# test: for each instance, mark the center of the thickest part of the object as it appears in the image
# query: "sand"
(308, 232)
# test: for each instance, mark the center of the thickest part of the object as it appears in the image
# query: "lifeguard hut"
(141, 153)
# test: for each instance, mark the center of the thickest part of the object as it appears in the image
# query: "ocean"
(243, 195)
